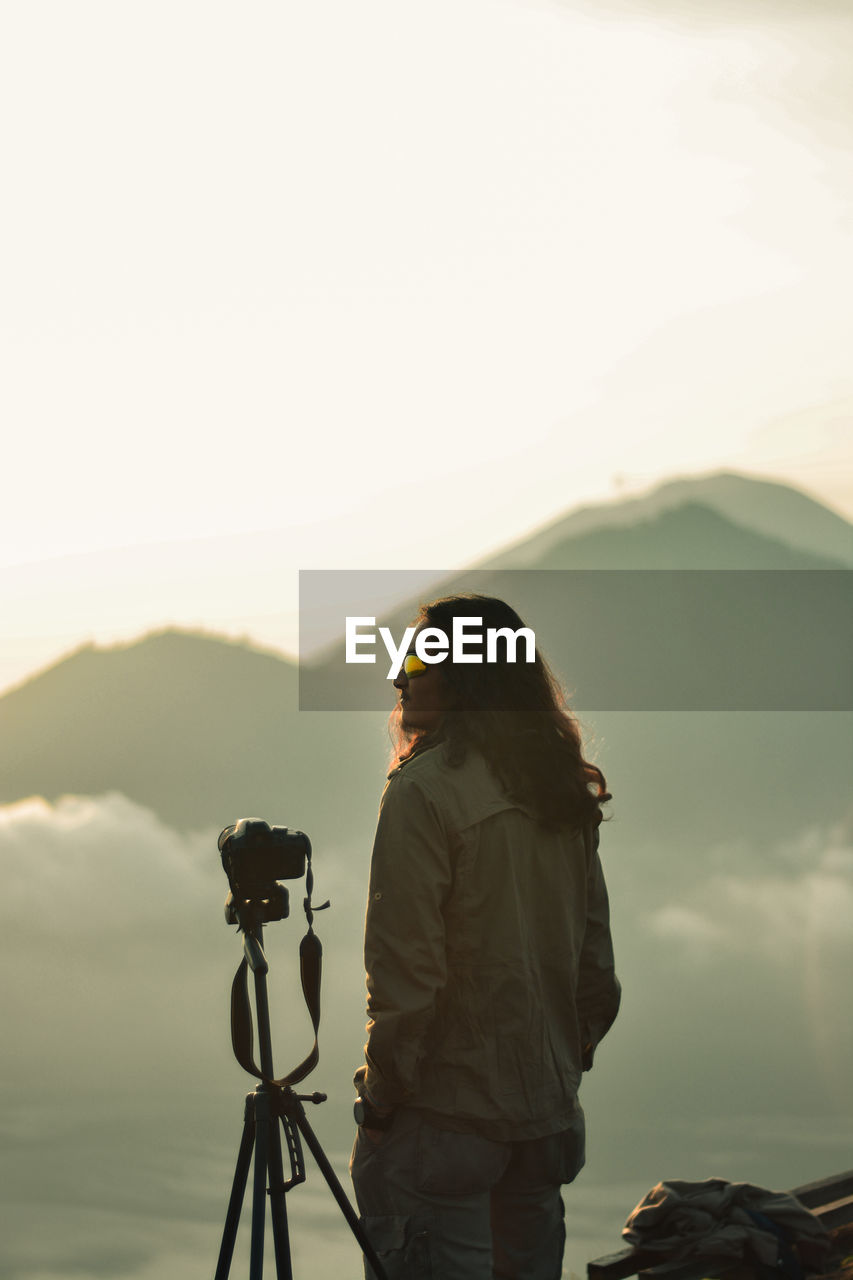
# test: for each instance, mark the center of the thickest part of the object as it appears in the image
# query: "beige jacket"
(488, 955)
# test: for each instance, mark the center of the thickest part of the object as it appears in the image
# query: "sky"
(393, 290)
(289, 286)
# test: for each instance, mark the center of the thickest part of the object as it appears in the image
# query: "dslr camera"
(255, 856)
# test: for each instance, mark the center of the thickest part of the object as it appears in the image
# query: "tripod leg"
(238, 1188)
(259, 1194)
(268, 1160)
(298, 1112)
(278, 1207)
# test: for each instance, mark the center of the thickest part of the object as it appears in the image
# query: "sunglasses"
(412, 666)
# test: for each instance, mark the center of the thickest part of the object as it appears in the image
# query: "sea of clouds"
(121, 1103)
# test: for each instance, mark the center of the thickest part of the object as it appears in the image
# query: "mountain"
(690, 535)
(628, 631)
(776, 511)
(202, 730)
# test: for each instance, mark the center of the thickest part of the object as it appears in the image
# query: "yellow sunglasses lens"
(412, 665)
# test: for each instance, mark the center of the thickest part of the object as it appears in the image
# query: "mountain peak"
(162, 716)
(766, 507)
(172, 650)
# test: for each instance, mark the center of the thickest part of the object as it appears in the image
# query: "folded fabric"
(733, 1220)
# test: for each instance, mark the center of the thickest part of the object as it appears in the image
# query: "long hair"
(513, 713)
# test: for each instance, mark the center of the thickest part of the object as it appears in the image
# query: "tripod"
(274, 1102)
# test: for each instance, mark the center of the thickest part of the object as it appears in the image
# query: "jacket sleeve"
(599, 992)
(404, 941)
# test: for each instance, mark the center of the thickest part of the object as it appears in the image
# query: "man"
(489, 968)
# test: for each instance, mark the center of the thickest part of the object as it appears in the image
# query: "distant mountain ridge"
(157, 720)
(765, 507)
(200, 729)
(203, 730)
(690, 535)
(624, 620)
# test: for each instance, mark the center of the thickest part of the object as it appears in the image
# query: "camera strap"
(242, 1035)
(310, 972)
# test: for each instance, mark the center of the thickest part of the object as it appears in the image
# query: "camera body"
(255, 856)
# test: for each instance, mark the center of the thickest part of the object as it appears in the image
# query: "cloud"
(113, 925)
(101, 863)
(684, 925)
(786, 907)
(121, 1103)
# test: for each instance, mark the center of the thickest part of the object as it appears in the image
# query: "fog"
(121, 1103)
